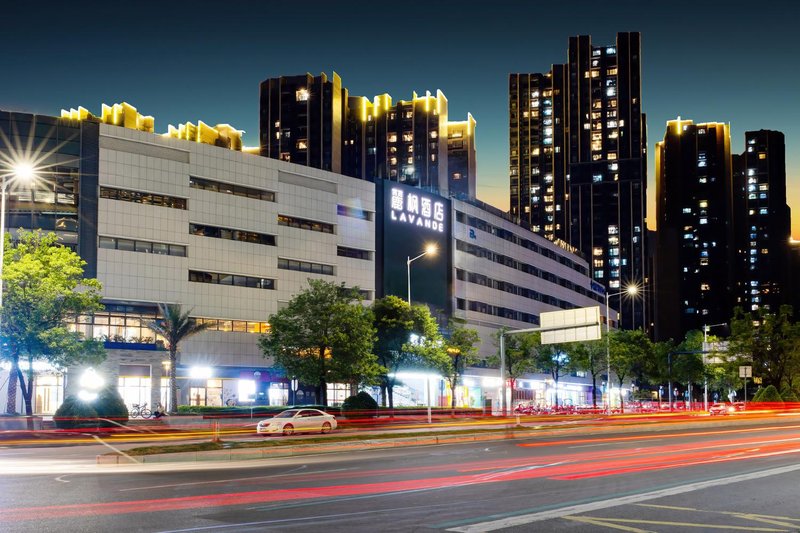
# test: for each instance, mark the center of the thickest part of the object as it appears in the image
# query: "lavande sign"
(417, 209)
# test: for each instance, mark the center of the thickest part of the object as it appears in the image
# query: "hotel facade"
(190, 217)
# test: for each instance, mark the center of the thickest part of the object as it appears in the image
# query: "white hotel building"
(232, 236)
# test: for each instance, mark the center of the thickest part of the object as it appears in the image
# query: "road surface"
(730, 478)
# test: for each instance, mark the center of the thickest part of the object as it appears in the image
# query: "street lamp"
(430, 249)
(21, 171)
(632, 290)
(706, 328)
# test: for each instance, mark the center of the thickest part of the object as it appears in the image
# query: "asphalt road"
(730, 478)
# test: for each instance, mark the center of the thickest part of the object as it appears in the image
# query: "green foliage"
(395, 323)
(768, 395)
(590, 356)
(323, 334)
(74, 413)
(174, 325)
(110, 406)
(461, 351)
(45, 292)
(788, 395)
(770, 340)
(360, 403)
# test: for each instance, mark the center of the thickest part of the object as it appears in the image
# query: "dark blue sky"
(736, 62)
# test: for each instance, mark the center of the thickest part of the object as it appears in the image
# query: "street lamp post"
(631, 290)
(706, 328)
(430, 249)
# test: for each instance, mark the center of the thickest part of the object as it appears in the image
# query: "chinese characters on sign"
(417, 210)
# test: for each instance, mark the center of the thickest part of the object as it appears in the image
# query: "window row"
(510, 236)
(231, 234)
(311, 225)
(130, 245)
(227, 188)
(510, 262)
(353, 212)
(231, 279)
(354, 253)
(137, 197)
(494, 310)
(305, 266)
(242, 326)
(480, 279)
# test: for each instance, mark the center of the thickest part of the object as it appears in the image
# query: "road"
(726, 478)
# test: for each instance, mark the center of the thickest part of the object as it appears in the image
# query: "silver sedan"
(297, 420)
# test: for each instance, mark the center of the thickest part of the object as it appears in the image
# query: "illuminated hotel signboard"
(409, 221)
(417, 210)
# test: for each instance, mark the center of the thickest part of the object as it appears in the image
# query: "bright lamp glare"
(87, 396)
(91, 379)
(431, 249)
(633, 289)
(24, 171)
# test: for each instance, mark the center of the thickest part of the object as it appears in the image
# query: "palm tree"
(174, 325)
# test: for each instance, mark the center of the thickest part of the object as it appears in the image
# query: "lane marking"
(601, 523)
(682, 524)
(775, 520)
(524, 519)
(116, 450)
(62, 480)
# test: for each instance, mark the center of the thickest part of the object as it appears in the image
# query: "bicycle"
(139, 410)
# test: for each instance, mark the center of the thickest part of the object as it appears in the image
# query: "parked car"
(297, 420)
(722, 409)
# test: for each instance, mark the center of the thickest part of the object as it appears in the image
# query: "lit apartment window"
(302, 144)
(301, 95)
(762, 155)
(408, 136)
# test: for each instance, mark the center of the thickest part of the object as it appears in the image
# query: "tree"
(396, 322)
(461, 348)
(591, 357)
(630, 356)
(175, 326)
(769, 340)
(552, 359)
(323, 334)
(45, 292)
(519, 356)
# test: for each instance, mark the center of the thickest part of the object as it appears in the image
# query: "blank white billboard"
(577, 334)
(570, 318)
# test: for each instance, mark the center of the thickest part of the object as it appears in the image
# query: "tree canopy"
(45, 292)
(323, 334)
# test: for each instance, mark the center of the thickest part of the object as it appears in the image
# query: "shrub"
(110, 405)
(788, 395)
(758, 394)
(769, 395)
(360, 404)
(74, 413)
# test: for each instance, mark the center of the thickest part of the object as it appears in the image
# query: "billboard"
(409, 220)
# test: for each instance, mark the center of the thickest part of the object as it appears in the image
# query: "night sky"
(732, 61)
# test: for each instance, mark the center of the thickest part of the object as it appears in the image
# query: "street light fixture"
(632, 290)
(430, 249)
(706, 328)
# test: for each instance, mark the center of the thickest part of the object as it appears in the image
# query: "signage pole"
(503, 371)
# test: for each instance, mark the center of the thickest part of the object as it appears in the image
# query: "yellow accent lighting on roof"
(223, 135)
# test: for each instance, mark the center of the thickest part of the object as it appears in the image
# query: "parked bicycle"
(139, 410)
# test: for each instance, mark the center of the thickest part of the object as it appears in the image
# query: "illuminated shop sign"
(417, 210)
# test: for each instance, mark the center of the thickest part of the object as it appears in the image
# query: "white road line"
(116, 450)
(514, 521)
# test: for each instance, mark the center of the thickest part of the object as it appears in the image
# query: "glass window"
(125, 244)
